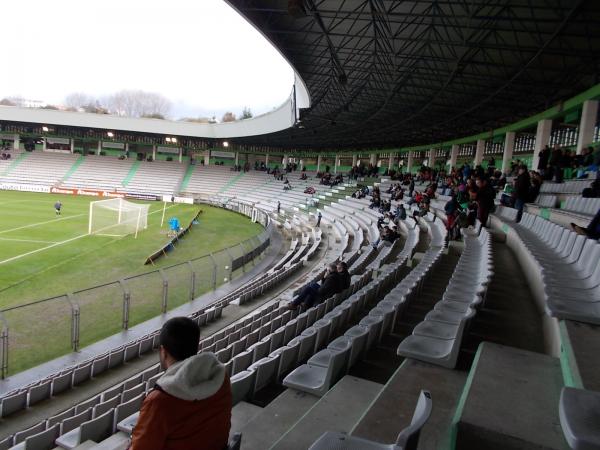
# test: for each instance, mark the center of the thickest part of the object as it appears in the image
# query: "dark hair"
(343, 265)
(180, 337)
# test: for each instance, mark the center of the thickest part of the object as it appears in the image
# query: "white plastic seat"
(242, 385)
(317, 380)
(408, 438)
(579, 411)
(95, 430)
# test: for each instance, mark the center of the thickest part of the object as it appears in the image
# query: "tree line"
(128, 103)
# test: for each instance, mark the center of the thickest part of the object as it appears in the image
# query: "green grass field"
(43, 256)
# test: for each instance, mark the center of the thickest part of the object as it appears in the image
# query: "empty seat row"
(437, 339)
(566, 263)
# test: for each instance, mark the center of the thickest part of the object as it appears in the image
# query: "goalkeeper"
(57, 207)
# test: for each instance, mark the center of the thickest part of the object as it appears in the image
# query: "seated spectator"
(190, 405)
(345, 278)
(400, 213)
(593, 191)
(314, 292)
(592, 231)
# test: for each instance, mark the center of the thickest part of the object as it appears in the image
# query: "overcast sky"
(201, 54)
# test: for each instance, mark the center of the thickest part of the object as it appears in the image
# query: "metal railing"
(39, 331)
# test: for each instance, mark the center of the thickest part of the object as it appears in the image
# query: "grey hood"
(195, 378)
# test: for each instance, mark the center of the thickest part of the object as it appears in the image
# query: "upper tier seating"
(40, 168)
(156, 177)
(99, 172)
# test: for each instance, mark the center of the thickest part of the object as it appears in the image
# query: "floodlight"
(110, 134)
(45, 129)
(225, 144)
(168, 139)
(174, 140)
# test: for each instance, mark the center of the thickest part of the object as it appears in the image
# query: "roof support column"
(336, 164)
(354, 160)
(391, 162)
(180, 154)
(410, 162)
(267, 160)
(237, 158)
(44, 144)
(542, 138)
(373, 159)
(207, 158)
(479, 152)
(99, 149)
(72, 145)
(509, 147)
(153, 152)
(589, 115)
(453, 155)
(431, 158)
(318, 163)
(17, 142)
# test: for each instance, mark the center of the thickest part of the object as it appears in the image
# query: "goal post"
(117, 217)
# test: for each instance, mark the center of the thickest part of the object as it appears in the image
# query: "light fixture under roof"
(45, 129)
(110, 134)
(225, 144)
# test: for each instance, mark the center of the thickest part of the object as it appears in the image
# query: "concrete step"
(338, 410)
(509, 316)
(275, 419)
(510, 402)
(393, 408)
(242, 413)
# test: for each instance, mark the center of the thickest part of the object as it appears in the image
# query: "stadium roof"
(384, 73)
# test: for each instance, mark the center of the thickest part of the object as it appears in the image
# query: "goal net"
(117, 217)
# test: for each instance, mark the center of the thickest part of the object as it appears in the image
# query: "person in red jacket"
(190, 406)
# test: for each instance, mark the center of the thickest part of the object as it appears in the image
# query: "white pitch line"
(59, 243)
(42, 249)
(41, 223)
(27, 240)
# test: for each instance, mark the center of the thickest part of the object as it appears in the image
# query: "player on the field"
(57, 207)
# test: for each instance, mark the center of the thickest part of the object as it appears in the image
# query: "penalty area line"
(14, 258)
(41, 223)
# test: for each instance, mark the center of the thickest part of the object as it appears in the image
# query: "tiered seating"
(99, 172)
(568, 187)
(546, 201)
(5, 163)
(438, 338)
(41, 168)
(210, 180)
(583, 206)
(157, 177)
(566, 264)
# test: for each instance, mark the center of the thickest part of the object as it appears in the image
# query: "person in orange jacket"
(190, 406)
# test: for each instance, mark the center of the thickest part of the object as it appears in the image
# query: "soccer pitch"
(44, 255)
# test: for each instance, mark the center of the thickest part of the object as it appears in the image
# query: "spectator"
(190, 406)
(345, 278)
(316, 293)
(319, 217)
(521, 192)
(543, 156)
(485, 200)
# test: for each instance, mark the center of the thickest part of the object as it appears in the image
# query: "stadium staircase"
(186, 178)
(132, 171)
(73, 168)
(18, 160)
(232, 182)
